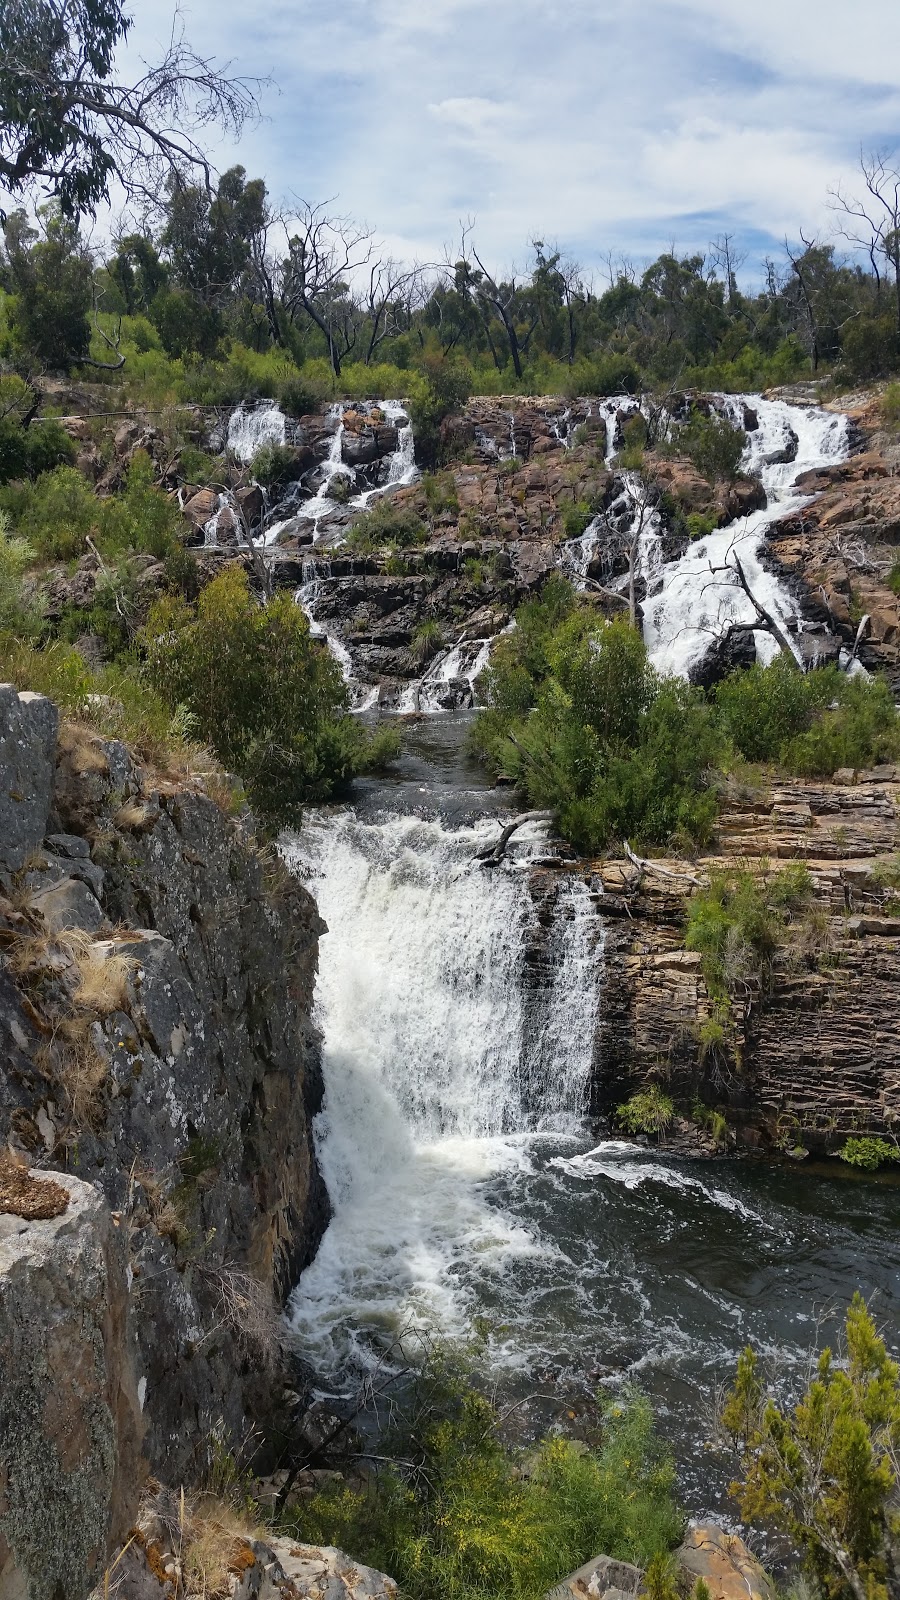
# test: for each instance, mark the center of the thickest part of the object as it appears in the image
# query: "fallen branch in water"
(495, 852)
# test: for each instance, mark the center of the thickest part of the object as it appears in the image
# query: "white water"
(465, 660)
(306, 597)
(696, 597)
(251, 426)
(440, 1065)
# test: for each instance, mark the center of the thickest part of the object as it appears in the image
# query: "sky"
(603, 128)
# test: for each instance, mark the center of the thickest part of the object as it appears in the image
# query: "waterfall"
(251, 426)
(464, 662)
(440, 1061)
(361, 699)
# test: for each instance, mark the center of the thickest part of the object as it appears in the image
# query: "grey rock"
(70, 1423)
(287, 1571)
(69, 844)
(598, 1578)
(68, 903)
(28, 730)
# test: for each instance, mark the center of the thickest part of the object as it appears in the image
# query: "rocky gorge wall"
(156, 1045)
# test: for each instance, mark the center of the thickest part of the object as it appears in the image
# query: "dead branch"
(495, 852)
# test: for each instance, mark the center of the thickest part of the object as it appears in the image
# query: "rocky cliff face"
(156, 975)
(816, 1053)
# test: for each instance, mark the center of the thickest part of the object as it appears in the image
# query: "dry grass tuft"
(103, 976)
(80, 1070)
(83, 748)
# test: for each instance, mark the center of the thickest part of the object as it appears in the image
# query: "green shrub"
(810, 723)
(890, 405)
(20, 612)
(427, 640)
(59, 512)
(455, 1516)
(649, 1111)
(576, 518)
(605, 375)
(701, 524)
(870, 1154)
(440, 493)
(267, 697)
(299, 396)
(738, 925)
(386, 526)
(275, 465)
(195, 466)
(713, 444)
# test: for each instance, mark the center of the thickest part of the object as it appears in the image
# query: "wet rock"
(200, 507)
(724, 656)
(70, 1417)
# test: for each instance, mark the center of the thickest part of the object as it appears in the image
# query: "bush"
(576, 518)
(649, 1111)
(60, 511)
(19, 612)
(890, 405)
(267, 697)
(275, 465)
(386, 527)
(463, 1522)
(605, 375)
(738, 924)
(823, 1470)
(577, 716)
(810, 723)
(713, 445)
(870, 1154)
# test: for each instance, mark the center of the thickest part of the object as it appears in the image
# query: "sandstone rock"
(70, 1422)
(28, 730)
(200, 507)
(724, 1563)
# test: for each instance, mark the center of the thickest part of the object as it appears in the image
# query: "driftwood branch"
(644, 865)
(495, 852)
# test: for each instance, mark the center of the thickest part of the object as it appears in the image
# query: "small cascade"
(314, 573)
(251, 426)
(697, 597)
(450, 679)
(333, 467)
(439, 1062)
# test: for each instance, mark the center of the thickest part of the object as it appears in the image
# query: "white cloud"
(617, 124)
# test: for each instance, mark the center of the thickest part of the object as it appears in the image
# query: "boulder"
(70, 1416)
(724, 1563)
(28, 730)
(200, 507)
(601, 1576)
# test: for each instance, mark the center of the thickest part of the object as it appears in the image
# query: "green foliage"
(738, 924)
(440, 493)
(427, 640)
(456, 1517)
(890, 405)
(195, 466)
(713, 444)
(824, 1470)
(576, 518)
(444, 388)
(648, 1111)
(577, 716)
(50, 277)
(60, 511)
(386, 526)
(605, 375)
(275, 465)
(809, 723)
(27, 452)
(268, 698)
(868, 1153)
(116, 700)
(20, 612)
(701, 524)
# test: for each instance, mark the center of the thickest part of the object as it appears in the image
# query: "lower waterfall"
(444, 1053)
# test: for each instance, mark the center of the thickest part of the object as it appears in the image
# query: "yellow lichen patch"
(23, 1195)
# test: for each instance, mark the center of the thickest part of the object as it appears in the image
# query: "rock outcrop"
(815, 1056)
(156, 976)
(70, 1414)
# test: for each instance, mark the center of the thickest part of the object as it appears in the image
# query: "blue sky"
(604, 127)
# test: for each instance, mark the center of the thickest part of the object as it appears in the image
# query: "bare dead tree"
(805, 289)
(323, 252)
(871, 221)
(725, 257)
(67, 126)
(392, 294)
